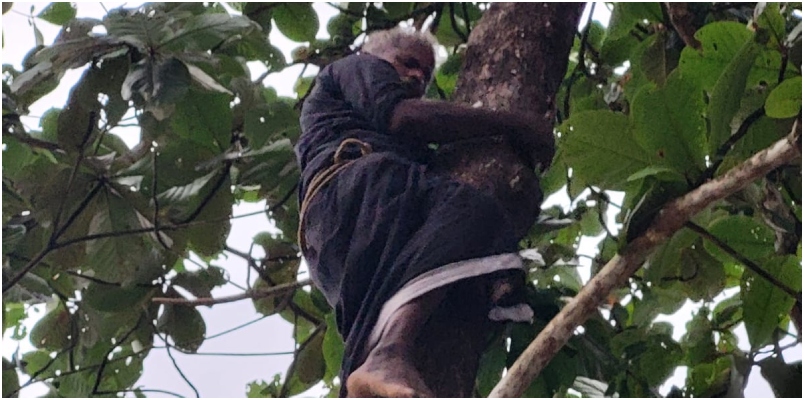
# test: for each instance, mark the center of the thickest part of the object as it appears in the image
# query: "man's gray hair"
(380, 42)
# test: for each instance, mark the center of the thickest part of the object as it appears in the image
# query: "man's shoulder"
(358, 62)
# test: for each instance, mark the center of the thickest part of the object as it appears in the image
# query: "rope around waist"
(325, 176)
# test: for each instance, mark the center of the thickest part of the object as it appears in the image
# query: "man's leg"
(389, 369)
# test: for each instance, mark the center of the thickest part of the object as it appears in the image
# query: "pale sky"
(227, 376)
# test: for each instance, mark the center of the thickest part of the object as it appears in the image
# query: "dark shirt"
(352, 98)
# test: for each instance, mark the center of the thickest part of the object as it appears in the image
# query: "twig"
(724, 149)
(253, 294)
(104, 363)
(670, 219)
(454, 23)
(155, 199)
(178, 369)
(742, 259)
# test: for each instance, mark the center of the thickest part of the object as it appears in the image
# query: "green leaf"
(184, 324)
(720, 43)
(492, 363)
(743, 234)
(771, 19)
(728, 90)
(308, 367)
(57, 12)
(206, 81)
(707, 277)
(297, 21)
(764, 305)
(108, 298)
(669, 125)
(11, 382)
(207, 31)
(200, 283)
(52, 331)
(600, 149)
(785, 100)
(204, 118)
(260, 13)
(332, 347)
(208, 240)
(273, 121)
(626, 15)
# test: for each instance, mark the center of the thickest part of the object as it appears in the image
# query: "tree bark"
(516, 58)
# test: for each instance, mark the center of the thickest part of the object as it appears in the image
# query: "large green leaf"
(668, 124)
(206, 119)
(297, 21)
(209, 238)
(200, 283)
(743, 234)
(785, 100)
(600, 149)
(765, 305)
(725, 98)
(721, 42)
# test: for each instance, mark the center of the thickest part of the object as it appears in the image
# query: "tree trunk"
(516, 59)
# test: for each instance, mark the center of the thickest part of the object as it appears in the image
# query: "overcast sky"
(227, 376)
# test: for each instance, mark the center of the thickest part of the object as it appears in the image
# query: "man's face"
(415, 68)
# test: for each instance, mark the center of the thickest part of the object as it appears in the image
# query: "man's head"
(409, 51)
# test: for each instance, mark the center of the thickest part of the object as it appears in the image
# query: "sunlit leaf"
(785, 100)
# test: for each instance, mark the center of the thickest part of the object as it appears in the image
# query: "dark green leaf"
(184, 324)
(728, 90)
(309, 365)
(785, 100)
(58, 13)
(297, 21)
(771, 19)
(200, 283)
(260, 13)
(11, 382)
(600, 149)
(53, 330)
(626, 16)
(764, 305)
(206, 119)
(207, 31)
(108, 298)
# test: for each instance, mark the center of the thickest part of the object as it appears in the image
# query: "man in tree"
(384, 239)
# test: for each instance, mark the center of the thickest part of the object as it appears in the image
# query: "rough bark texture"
(516, 58)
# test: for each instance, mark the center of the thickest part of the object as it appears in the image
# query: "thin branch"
(292, 368)
(742, 259)
(155, 199)
(724, 149)
(176, 366)
(616, 272)
(241, 326)
(464, 37)
(253, 294)
(105, 362)
(79, 160)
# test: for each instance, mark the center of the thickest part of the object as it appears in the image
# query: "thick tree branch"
(670, 219)
(681, 18)
(250, 294)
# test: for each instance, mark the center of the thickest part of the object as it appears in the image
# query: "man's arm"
(443, 122)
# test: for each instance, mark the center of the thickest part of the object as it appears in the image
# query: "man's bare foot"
(387, 374)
